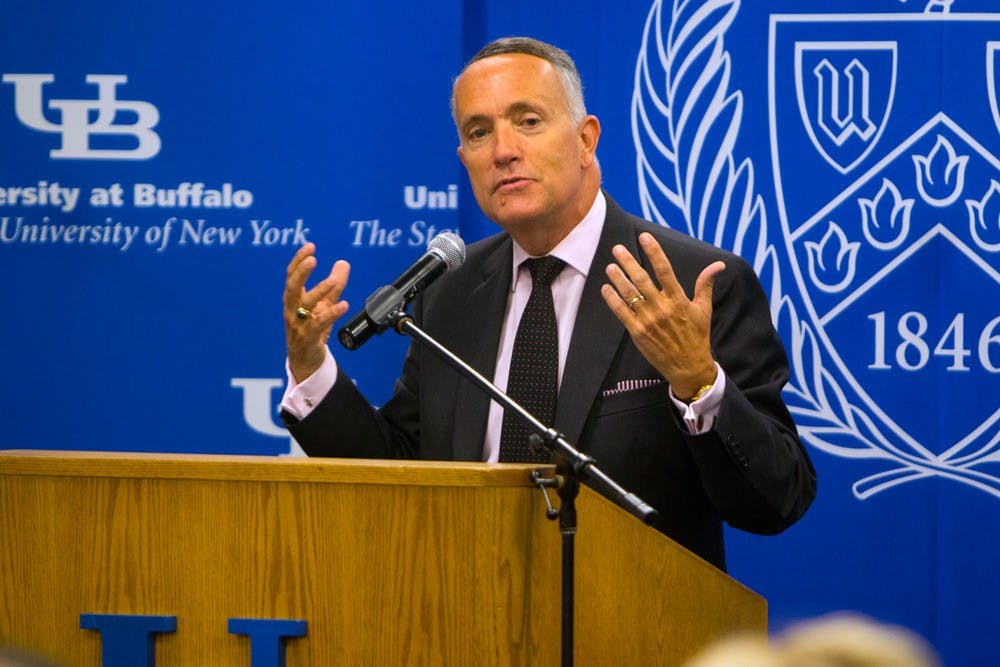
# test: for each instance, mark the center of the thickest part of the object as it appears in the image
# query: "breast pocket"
(617, 401)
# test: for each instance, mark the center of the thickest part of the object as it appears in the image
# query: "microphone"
(445, 252)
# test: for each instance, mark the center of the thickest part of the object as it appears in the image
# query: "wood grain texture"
(390, 563)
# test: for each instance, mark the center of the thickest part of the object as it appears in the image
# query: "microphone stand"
(572, 466)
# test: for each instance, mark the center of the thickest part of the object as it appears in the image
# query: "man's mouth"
(510, 183)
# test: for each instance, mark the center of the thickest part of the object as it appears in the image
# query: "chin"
(517, 212)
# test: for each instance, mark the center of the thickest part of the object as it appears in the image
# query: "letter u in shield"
(845, 92)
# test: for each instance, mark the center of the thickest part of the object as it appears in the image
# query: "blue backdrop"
(161, 166)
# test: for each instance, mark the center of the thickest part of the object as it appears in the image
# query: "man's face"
(525, 156)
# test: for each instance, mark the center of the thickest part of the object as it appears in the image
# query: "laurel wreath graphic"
(685, 123)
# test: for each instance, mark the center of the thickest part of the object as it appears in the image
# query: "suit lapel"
(597, 333)
(483, 316)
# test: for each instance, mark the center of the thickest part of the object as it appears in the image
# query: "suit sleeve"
(753, 465)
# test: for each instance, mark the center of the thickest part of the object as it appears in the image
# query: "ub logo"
(887, 203)
(81, 120)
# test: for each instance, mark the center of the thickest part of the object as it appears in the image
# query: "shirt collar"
(579, 246)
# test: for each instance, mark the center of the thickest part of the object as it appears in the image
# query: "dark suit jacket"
(749, 470)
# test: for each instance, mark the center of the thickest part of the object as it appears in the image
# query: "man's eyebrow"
(473, 119)
(514, 108)
(521, 106)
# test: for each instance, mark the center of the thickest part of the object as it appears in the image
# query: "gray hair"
(565, 68)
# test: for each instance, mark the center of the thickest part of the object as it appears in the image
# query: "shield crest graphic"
(888, 195)
(845, 93)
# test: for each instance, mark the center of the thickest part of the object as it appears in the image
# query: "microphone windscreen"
(449, 247)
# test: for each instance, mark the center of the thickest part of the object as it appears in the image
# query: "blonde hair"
(837, 640)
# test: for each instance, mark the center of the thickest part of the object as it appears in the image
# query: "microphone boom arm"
(583, 466)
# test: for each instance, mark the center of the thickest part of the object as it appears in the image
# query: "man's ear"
(590, 133)
(461, 156)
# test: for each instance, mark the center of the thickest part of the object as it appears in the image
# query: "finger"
(621, 283)
(298, 272)
(304, 255)
(306, 250)
(326, 314)
(643, 284)
(635, 274)
(618, 305)
(331, 307)
(662, 268)
(705, 284)
(328, 289)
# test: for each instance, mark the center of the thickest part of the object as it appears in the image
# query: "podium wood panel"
(391, 563)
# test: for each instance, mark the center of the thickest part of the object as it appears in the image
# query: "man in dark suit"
(669, 371)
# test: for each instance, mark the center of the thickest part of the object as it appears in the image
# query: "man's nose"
(506, 147)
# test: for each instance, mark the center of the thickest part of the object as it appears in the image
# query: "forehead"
(493, 84)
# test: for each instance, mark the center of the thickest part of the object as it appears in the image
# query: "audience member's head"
(839, 640)
(744, 651)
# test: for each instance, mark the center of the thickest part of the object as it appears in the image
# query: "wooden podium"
(388, 562)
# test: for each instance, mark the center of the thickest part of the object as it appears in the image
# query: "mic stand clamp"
(543, 483)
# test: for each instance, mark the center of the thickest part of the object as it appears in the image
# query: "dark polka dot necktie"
(534, 364)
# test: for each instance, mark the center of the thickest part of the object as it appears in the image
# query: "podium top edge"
(52, 463)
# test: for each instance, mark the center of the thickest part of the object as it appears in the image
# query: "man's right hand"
(310, 315)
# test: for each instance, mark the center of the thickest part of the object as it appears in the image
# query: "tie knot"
(544, 269)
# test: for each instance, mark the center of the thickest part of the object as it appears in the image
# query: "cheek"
(480, 180)
(563, 157)
(564, 168)
(476, 171)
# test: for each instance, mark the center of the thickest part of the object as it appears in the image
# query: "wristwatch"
(700, 393)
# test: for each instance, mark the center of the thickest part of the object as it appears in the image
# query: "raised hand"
(311, 314)
(669, 329)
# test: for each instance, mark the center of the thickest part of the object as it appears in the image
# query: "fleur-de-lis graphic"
(984, 218)
(832, 260)
(940, 174)
(886, 217)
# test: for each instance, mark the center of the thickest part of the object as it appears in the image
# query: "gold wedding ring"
(636, 299)
(302, 313)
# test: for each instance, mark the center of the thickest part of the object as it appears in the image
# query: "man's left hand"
(669, 329)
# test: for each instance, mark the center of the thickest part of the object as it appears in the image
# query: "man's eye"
(476, 133)
(530, 121)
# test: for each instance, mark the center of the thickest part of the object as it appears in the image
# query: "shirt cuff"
(699, 416)
(301, 398)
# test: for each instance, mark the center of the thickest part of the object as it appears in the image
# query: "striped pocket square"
(632, 385)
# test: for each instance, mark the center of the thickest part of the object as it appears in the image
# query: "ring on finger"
(302, 313)
(636, 299)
